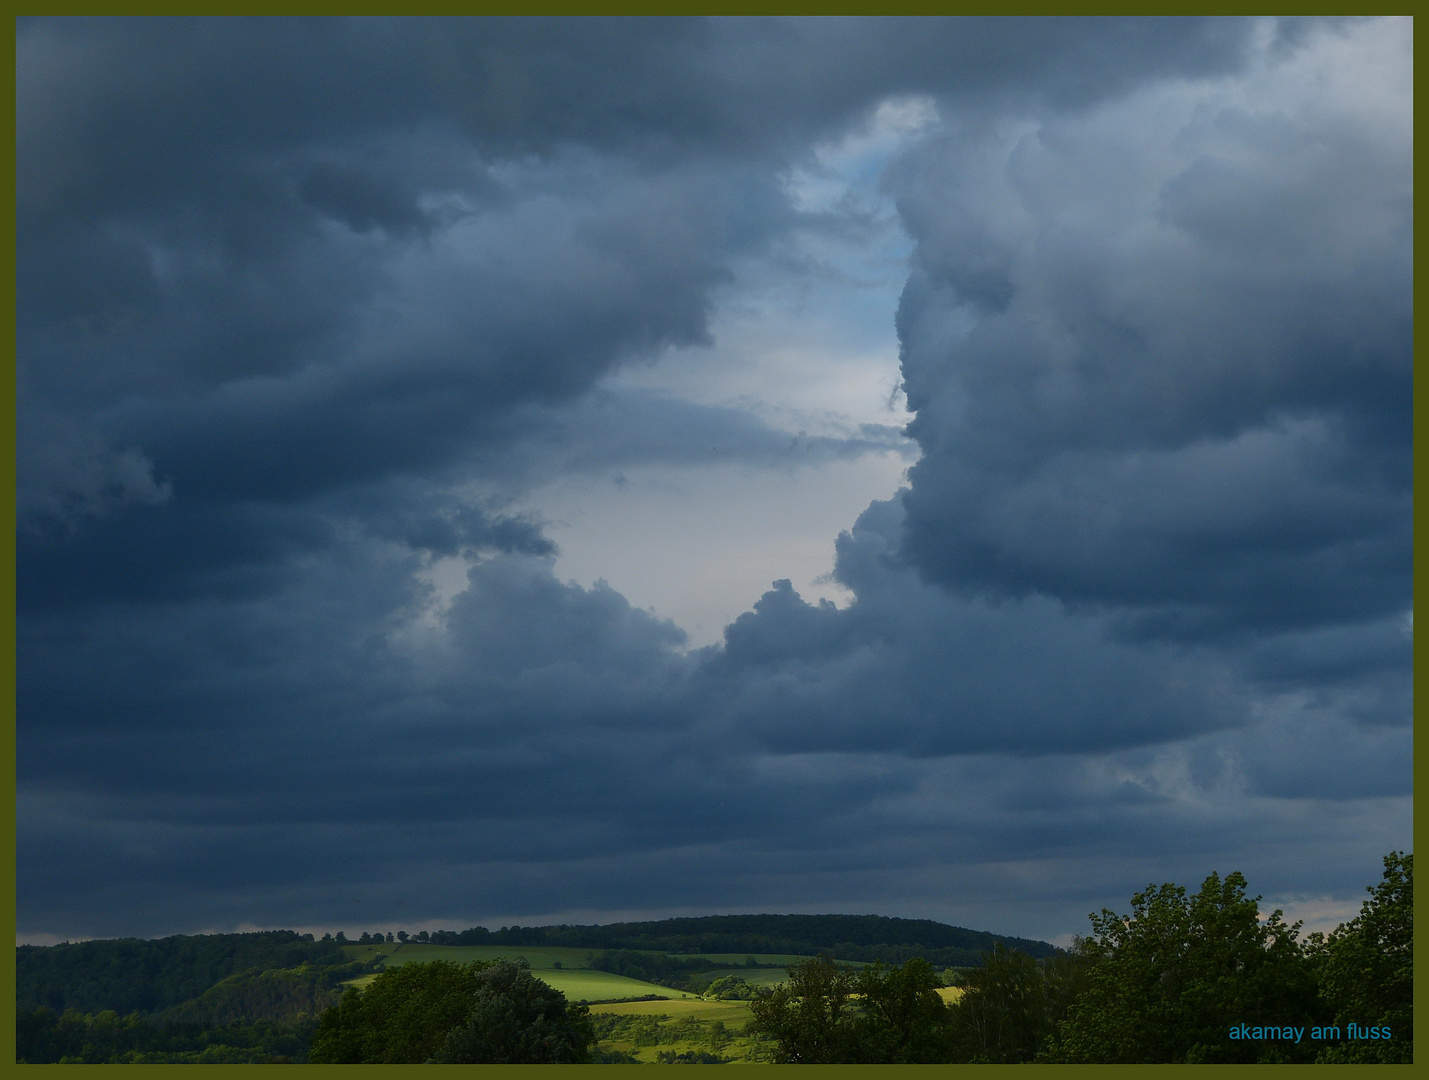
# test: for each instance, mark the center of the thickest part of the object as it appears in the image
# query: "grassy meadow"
(692, 1030)
(680, 1026)
(567, 969)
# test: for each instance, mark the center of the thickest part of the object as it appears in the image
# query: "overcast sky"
(475, 472)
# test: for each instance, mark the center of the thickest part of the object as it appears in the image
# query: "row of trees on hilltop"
(865, 938)
(1168, 983)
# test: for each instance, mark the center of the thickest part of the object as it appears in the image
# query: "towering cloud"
(1160, 354)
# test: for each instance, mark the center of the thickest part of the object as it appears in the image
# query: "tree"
(453, 1013)
(1173, 977)
(808, 1016)
(517, 1019)
(402, 1017)
(1366, 969)
(902, 1018)
(1065, 977)
(826, 1014)
(729, 988)
(1002, 1015)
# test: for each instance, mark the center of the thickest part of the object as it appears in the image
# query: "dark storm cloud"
(262, 261)
(530, 304)
(295, 297)
(912, 670)
(1165, 370)
(749, 85)
(544, 724)
(276, 750)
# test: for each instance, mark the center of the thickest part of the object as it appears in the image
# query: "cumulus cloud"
(911, 669)
(1160, 352)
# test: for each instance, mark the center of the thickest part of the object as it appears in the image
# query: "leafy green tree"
(453, 1013)
(516, 1019)
(402, 1017)
(1366, 969)
(1173, 977)
(1065, 977)
(826, 1014)
(809, 1017)
(730, 988)
(901, 1017)
(1002, 1016)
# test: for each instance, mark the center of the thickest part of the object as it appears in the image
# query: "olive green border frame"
(7, 582)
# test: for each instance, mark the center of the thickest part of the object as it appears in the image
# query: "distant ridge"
(847, 937)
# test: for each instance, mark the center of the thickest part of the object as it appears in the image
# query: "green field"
(542, 957)
(603, 986)
(650, 1030)
(568, 970)
(731, 1012)
(679, 1026)
(762, 976)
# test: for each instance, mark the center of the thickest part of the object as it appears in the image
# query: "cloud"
(910, 669)
(624, 427)
(72, 475)
(305, 309)
(1160, 354)
(272, 275)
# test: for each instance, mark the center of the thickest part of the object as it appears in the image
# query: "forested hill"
(847, 937)
(132, 974)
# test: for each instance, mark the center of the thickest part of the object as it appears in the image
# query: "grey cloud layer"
(262, 252)
(1170, 371)
(301, 303)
